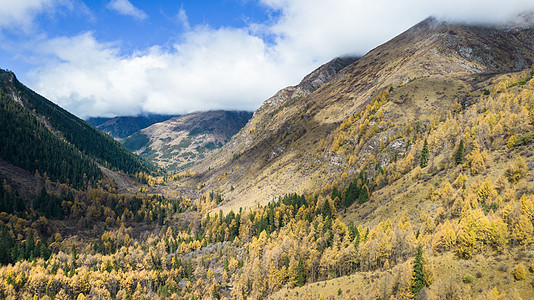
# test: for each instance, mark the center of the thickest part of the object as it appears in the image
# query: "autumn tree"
(444, 238)
(517, 170)
(476, 159)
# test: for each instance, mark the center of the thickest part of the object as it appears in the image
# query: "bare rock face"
(325, 73)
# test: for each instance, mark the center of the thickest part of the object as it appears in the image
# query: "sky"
(130, 57)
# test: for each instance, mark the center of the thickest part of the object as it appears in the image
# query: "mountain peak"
(292, 139)
(325, 73)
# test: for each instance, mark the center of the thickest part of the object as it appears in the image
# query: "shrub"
(519, 272)
(511, 141)
(524, 139)
(468, 278)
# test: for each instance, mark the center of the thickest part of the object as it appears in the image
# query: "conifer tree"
(301, 277)
(418, 275)
(424, 155)
(327, 210)
(364, 194)
(460, 153)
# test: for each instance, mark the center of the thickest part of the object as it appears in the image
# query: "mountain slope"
(122, 127)
(297, 140)
(182, 141)
(39, 135)
(417, 188)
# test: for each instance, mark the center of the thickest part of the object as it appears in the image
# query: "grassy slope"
(287, 145)
(408, 197)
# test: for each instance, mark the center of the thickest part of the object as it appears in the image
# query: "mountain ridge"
(120, 127)
(404, 174)
(435, 53)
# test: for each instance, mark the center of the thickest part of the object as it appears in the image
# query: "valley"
(406, 173)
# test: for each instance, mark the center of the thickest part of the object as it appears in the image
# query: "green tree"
(424, 155)
(327, 210)
(301, 276)
(364, 194)
(418, 275)
(460, 153)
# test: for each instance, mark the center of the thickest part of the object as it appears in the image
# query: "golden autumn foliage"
(476, 159)
(517, 170)
(519, 272)
(147, 246)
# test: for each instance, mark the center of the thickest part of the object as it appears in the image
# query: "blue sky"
(128, 57)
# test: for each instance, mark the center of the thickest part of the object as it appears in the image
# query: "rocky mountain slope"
(181, 142)
(366, 115)
(123, 126)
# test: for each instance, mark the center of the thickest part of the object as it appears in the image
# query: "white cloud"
(234, 68)
(323, 29)
(182, 18)
(21, 12)
(212, 69)
(125, 7)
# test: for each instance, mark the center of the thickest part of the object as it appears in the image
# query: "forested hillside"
(27, 143)
(181, 142)
(365, 114)
(52, 140)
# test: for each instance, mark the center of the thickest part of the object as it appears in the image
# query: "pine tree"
(335, 193)
(460, 153)
(301, 276)
(351, 193)
(418, 275)
(424, 155)
(327, 210)
(364, 194)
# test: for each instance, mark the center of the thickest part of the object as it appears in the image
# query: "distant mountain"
(37, 135)
(123, 126)
(183, 141)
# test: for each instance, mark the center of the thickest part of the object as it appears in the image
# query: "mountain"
(123, 126)
(38, 135)
(363, 117)
(404, 174)
(181, 142)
